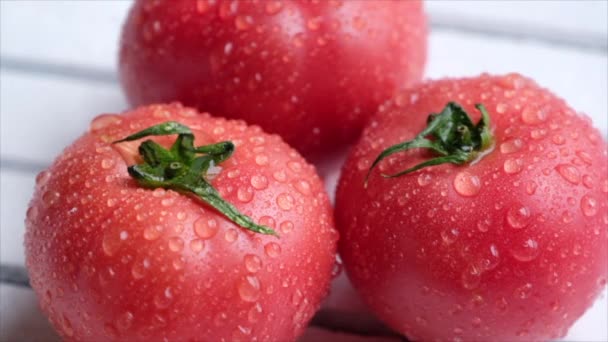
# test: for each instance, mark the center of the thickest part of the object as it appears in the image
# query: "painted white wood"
(41, 114)
(17, 189)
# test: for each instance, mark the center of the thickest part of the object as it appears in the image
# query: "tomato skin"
(112, 261)
(511, 248)
(313, 72)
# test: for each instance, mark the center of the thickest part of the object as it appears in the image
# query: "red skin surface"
(313, 72)
(438, 266)
(112, 261)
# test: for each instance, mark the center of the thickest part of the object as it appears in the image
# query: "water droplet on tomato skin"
(42, 178)
(511, 146)
(466, 185)
(518, 216)
(526, 250)
(449, 236)
(424, 179)
(272, 249)
(285, 201)
(244, 194)
(259, 182)
(104, 120)
(124, 321)
(513, 166)
(531, 115)
(196, 245)
(176, 244)
(231, 235)
(261, 159)
(286, 227)
(205, 228)
(569, 172)
(152, 232)
(252, 263)
(164, 299)
(471, 277)
(589, 205)
(255, 313)
(249, 288)
(273, 6)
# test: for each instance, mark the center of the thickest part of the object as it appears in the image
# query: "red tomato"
(112, 261)
(311, 71)
(511, 247)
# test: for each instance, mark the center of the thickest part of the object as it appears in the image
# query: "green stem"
(450, 134)
(182, 168)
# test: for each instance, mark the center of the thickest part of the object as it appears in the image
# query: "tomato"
(509, 245)
(113, 259)
(311, 71)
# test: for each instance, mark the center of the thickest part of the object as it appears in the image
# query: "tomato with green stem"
(487, 221)
(208, 230)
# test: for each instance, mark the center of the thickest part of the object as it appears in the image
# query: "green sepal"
(451, 135)
(183, 168)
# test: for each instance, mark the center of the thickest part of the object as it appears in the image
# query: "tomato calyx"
(451, 135)
(183, 168)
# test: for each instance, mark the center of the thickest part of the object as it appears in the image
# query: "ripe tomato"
(508, 247)
(111, 260)
(311, 71)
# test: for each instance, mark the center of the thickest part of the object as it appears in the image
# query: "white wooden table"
(57, 71)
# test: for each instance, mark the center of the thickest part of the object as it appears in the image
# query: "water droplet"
(526, 250)
(314, 23)
(107, 163)
(231, 235)
(50, 197)
(244, 194)
(524, 291)
(32, 213)
(286, 226)
(530, 187)
(518, 216)
(42, 178)
(294, 166)
(202, 6)
(124, 321)
(476, 322)
(261, 159)
(569, 173)
(424, 179)
(303, 187)
(558, 139)
(163, 300)
(296, 298)
(153, 232)
(259, 182)
(243, 22)
(205, 228)
(104, 120)
(66, 326)
(449, 235)
(249, 288)
(272, 249)
(471, 277)
(511, 146)
(589, 205)
(285, 201)
(196, 245)
(176, 244)
(512, 166)
(166, 202)
(588, 181)
(139, 269)
(280, 176)
(252, 263)
(111, 242)
(532, 116)
(484, 225)
(466, 184)
(254, 313)
(273, 6)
